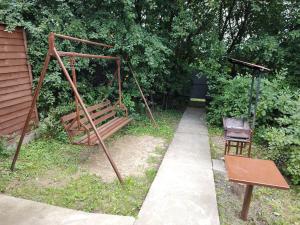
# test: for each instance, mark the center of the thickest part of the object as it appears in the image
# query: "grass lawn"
(268, 206)
(49, 171)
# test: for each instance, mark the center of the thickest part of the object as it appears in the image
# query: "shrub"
(278, 120)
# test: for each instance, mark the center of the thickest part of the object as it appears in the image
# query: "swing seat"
(104, 117)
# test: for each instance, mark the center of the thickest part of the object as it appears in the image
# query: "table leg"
(246, 203)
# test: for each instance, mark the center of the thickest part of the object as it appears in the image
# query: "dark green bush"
(278, 120)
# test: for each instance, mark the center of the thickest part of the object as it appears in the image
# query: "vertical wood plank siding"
(15, 82)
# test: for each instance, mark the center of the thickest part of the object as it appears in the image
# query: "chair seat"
(105, 131)
(104, 116)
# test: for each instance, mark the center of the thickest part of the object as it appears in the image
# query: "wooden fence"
(15, 82)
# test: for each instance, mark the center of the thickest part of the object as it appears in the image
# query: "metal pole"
(143, 97)
(118, 62)
(33, 103)
(72, 63)
(250, 97)
(246, 203)
(83, 55)
(82, 40)
(87, 114)
(256, 100)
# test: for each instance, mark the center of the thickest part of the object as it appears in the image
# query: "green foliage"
(3, 147)
(231, 100)
(293, 165)
(110, 22)
(278, 121)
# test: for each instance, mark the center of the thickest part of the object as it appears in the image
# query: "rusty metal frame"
(54, 54)
(30, 73)
(143, 96)
(255, 77)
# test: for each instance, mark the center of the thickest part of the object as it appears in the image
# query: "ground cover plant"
(51, 171)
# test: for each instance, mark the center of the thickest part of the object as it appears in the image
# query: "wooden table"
(253, 172)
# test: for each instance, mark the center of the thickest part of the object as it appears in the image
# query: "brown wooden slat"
(107, 128)
(93, 137)
(13, 76)
(82, 139)
(101, 119)
(17, 113)
(94, 115)
(15, 82)
(115, 129)
(15, 101)
(89, 126)
(11, 35)
(7, 41)
(14, 121)
(89, 109)
(12, 48)
(12, 62)
(13, 129)
(6, 90)
(14, 95)
(12, 109)
(13, 69)
(13, 55)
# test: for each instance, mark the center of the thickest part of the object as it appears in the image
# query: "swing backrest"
(99, 113)
(104, 117)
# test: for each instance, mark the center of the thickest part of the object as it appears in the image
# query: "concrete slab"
(219, 166)
(16, 211)
(183, 192)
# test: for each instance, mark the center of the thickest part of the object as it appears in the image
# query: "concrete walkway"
(183, 192)
(16, 211)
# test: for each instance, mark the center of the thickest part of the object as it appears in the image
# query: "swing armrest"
(87, 132)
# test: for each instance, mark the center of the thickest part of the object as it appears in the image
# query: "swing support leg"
(33, 103)
(143, 97)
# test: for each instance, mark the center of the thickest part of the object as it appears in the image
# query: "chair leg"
(228, 147)
(225, 151)
(237, 148)
(249, 150)
(241, 148)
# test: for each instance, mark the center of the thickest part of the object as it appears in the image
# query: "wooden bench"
(104, 116)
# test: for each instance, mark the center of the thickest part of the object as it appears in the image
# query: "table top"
(254, 172)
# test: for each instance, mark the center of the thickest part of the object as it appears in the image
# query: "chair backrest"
(99, 113)
(237, 128)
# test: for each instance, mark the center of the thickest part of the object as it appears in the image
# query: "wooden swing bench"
(104, 116)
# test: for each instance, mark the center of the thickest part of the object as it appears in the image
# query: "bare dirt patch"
(130, 153)
(54, 178)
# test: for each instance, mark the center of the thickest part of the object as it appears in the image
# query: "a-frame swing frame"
(54, 54)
